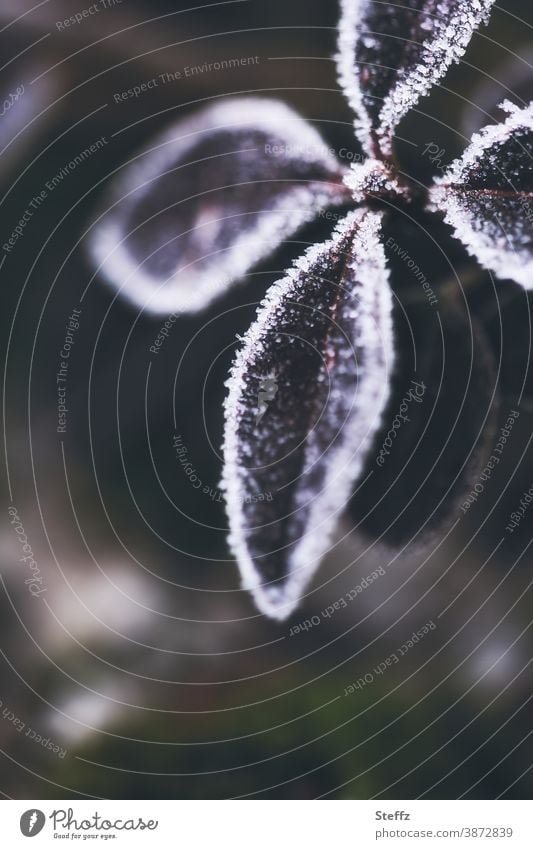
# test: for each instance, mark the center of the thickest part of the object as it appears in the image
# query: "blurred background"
(132, 665)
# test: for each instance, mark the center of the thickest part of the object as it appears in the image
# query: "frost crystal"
(390, 55)
(325, 332)
(373, 179)
(210, 198)
(487, 196)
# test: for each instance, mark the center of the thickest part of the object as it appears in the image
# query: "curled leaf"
(323, 341)
(210, 198)
(391, 54)
(487, 196)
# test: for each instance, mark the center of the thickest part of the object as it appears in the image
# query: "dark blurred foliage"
(144, 659)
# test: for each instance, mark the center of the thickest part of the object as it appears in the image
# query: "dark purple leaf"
(391, 54)
(305, 398)
(208, 199)
(487, 196)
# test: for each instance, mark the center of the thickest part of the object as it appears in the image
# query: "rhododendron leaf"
(306, 395)
(391, 54)
(487, 196)
(208, 199)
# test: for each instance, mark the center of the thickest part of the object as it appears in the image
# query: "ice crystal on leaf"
(488, 196)
(391, 54)
(325, 331)
(208, 199)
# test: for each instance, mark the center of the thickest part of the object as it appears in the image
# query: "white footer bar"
(267, 824)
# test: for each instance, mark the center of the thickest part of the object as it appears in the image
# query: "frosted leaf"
(323, 335)
(373, 179)
(210, 198)
(487, 196)
(391, 54)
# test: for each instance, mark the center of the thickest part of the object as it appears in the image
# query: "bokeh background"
(143, 670)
